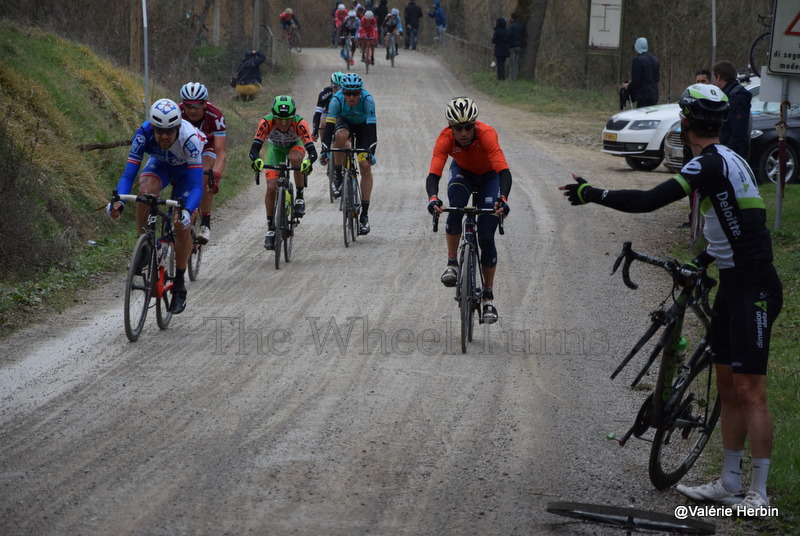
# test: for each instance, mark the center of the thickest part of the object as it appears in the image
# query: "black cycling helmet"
(704, 106)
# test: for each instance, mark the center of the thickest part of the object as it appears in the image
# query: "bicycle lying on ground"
(469, 276)
(630, 518)
(350, 200)
(284, 218)
(683, 408)
(151, 270)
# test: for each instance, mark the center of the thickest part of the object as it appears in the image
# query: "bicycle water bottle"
(681, 351)
(288, 204)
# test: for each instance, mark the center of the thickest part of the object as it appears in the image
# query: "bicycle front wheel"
(347, 208)
(297, 42)
(630, 518)
(355, 204)
(288, 236)
(759, 52)
(195, 259)
(137, 287)
(688, 423)
(331, 175)
(163, 315)
(280, 223)
(465, 292)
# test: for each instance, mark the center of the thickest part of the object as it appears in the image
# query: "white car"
(638, 135)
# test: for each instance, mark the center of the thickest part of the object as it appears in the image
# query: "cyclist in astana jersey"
(351, 116)
(750, 294)
(208, 119)
(478, 165)
(392, 26)
(288, 136)
(323, 100)
(349, 27)
(368, 35)
(175, 148)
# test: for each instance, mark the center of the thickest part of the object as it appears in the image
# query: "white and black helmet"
(165, 113)
(194, 91)
(461, 110)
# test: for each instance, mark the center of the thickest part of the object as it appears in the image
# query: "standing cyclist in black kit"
(750, 295)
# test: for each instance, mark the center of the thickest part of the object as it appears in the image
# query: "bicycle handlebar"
(150, 199)
(628, 255)
(346, 150)
(472, 211)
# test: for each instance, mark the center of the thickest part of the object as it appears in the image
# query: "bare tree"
(536, 10)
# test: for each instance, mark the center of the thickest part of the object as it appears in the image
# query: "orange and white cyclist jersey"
(368, 28)
(297, 131)
(481, 156)
(212, 125)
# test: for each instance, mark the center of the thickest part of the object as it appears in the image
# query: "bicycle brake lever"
(626, 247)
(258, 178)
(436, 223)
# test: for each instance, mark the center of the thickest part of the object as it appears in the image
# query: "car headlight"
(646, 124)
(755, 133)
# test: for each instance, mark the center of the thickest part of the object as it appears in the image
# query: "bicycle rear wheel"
(196, 258)
(137, 287)
(465, 293)
(280, 223)
(689, 421)
(759, 52)
(163, 302)
(630, 518)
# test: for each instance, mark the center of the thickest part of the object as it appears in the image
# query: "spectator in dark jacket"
(411, 15)
(248, 77)
(516, 29)
(735, 132)
(380, 14)
(645, 75)
(440, 18)
(502, 42)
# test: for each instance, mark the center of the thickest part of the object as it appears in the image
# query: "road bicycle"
(469, 276)
(684, 407)
(759, 50)
(631, 519)
(293, 40)
(284, 218)
(329, 169)
(151, 271)
(350, 199)
(347, 52)
(391, 50)
(369, 52)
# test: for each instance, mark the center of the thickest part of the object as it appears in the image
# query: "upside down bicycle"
(683, 408)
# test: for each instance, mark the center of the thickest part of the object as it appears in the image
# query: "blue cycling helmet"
(352, 82)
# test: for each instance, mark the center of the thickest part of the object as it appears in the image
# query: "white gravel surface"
(331, 397)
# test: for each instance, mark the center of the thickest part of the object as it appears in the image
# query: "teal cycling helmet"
(283, 107)
(336, 78)
(352, 82)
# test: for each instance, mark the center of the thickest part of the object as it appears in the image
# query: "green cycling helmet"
(336, 78)
(283, 107)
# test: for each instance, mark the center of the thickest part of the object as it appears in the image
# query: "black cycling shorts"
(748, 302)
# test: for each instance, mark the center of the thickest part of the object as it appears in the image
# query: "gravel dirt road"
(331, 397)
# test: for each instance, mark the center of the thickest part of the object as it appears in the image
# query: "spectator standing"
(702, 76)
(645, 75)
(735, 133)
(412, 14)
(248, 77)
(501, 39)
(440, 18)
(380, 13)
(516, 29)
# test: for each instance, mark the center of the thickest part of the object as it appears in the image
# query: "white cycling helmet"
(165, 113)
(395, 11)
(194, 91)
(461, 111)
(351, 13)
(368, 14)
(341, 6)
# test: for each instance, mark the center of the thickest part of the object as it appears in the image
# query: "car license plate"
(609, 136)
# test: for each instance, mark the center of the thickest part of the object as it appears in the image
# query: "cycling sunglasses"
(351, 93)
(462, 128)
(193, 105)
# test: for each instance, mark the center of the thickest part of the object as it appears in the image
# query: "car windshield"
(759, 106)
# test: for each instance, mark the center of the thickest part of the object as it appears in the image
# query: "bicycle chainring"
(642, 422)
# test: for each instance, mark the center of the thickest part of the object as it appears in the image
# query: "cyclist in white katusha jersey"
(750, 294)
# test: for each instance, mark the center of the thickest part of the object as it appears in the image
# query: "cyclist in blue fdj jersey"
(351, 115)
(750, 295)
(175, 148)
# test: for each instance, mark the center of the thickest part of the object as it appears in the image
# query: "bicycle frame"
(677, 405)
(283, 213)
(350, 200)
